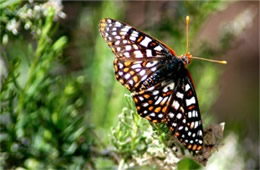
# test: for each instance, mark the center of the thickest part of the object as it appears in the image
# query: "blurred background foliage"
(60, 106)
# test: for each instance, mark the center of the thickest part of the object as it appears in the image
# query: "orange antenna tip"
(223, 62)
(187, 19)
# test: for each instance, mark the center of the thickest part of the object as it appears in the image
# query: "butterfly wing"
(153, 102)
(183, 115)
(137, 54)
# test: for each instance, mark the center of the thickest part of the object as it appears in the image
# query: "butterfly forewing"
(127, 42)
(161, 86)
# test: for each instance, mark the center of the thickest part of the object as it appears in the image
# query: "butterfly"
(160, 84)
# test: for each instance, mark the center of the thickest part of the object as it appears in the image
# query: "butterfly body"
(160, 84)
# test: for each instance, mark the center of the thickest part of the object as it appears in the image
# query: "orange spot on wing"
(147, 96)
(164, 109)
(150, 108)
(116, 68)
(115, 61)
(140, 39)
(150, 102)
(144, 63)
(177, 134)
(127, 63)
(158, 109)
(121, 81)
(155, 121)
(194, 147)
(127, 86)
(153, 44)
(135, 79)
(199, 148)
(147, 117)
(189, 146)
(126, 70)
(191, 107)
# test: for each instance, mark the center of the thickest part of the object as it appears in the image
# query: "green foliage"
(42, 114)
(55, 117)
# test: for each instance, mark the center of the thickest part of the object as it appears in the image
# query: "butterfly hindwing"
(184, 115)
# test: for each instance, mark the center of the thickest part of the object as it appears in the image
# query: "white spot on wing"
(125, 29)
(179, 115)
(180, 128)
(196, 124)
(171, 115)
(190, 101)
(131, 82)
(169, 86)
(155, 92)
(136, 66)
(200, 133)
(176, 104)
(165, 99)
(122, 33)
(153, 69)
(118, 24)
(158, 48)
(142, 73)
(117, 42)
(128, 47)
(158, 100)
(120, 65)
(138, 54)
(189, 114)
(127, 76)
(145, 41)
(144, 77)
(149, 53)
(187, 87)
(151, 64)
(145, 104)
(160, 115)
(179, 95)
(132, 38)
(126, 54)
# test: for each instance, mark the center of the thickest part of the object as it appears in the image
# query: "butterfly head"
(186, 58)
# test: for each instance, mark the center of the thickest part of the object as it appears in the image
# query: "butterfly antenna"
(187, 46)
(210, 60)
(187, 33)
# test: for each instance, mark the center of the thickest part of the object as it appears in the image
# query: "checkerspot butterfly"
(160, 84)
